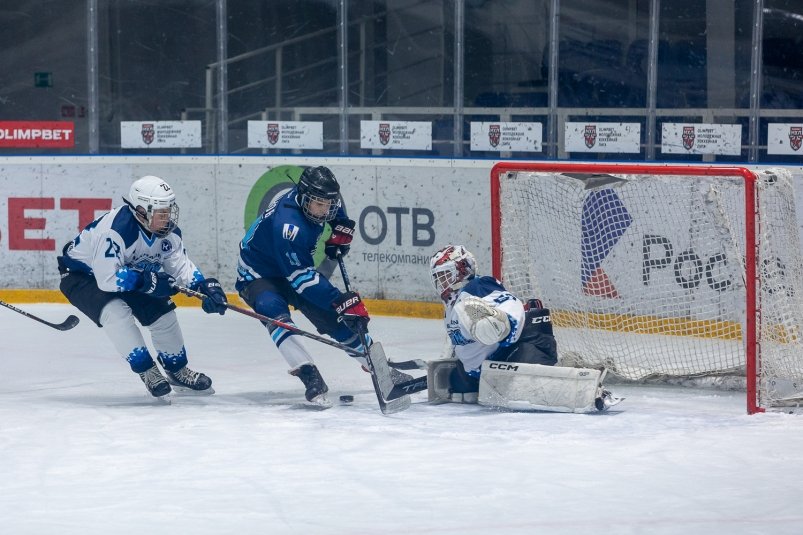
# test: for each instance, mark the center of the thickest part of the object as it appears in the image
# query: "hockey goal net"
(660, 271)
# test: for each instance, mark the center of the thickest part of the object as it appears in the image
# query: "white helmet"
(149, 195)
(451, 269)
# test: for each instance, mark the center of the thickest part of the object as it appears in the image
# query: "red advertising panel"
(37, 134)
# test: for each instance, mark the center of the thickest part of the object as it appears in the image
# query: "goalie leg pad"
(518, 386)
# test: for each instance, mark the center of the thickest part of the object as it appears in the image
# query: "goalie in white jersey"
(123, 266)
(489, 328)
(486, 322)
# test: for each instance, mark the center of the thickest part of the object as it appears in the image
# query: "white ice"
(84, 450)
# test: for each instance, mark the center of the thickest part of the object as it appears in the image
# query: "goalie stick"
(380, 366)
(65, 325)
(412, 364)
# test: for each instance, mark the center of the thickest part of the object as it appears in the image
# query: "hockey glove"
(158, 284)
(340, 240)
(487, 324)
(351, 312)
(215, 300)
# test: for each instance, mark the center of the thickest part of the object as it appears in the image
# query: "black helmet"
(318, 185)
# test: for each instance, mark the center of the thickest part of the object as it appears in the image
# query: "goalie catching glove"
(488, 325)
(339, 242)
(215, 300)
(351, 312)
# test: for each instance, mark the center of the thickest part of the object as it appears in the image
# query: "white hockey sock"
(293, 352)
(118, 324)
(166, 334)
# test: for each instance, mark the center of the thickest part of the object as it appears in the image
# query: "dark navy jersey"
(281, 243)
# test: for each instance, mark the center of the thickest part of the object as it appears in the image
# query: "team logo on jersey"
(273, 133)
(604, 220)
(494, 134)
(166, 246)
(688, 137)
(289, 232)
(384, 133)
(795, 137)
(590, 135)
(148, 133)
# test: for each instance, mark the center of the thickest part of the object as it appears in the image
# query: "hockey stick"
(401, 402)
(65, 325)
(413, 364)
(278, 323)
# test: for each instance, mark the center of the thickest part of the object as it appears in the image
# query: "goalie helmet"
(318, 194)
(451, 269)
(154, 204)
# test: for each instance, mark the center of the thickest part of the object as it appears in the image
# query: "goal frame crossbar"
(751, 336)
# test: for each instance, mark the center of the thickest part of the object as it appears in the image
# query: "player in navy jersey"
(276, 269)
(123, 267)
(486, 322)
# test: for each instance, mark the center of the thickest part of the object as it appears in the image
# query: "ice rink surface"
(84, 449)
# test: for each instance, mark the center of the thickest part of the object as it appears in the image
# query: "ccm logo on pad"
(541, 319)
(503, 366)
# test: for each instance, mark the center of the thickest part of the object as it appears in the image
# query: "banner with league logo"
(400, 135)
(160, 134)
(785, 138)
(499, 136)
(285, 134)
(603, 137)
(684, 138)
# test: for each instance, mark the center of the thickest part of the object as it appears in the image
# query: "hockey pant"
(272, 297)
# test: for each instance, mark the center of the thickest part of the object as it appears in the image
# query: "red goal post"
(659, 270)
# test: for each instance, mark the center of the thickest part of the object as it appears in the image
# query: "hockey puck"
(346, 399)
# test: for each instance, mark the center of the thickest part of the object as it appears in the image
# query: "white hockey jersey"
(116, 242)
(471, 352)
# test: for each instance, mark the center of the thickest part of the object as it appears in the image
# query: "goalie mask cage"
(663, 271)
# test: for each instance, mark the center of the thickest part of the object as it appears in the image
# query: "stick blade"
(67, 324)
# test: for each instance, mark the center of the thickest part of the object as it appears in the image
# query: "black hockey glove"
(158, 284)
(215, 300)
(351, 312)
(340, 240)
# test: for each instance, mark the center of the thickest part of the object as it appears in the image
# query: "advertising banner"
(685, 138)
(37, 134)
(285, 134)
(404, 211)
(499, 136)
(603, 137)
(785, 138)
(160, 134)
(402, 135)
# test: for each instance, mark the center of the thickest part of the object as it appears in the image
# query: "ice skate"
(606, 400)
(156, 384)
(191, 382)
(314, 383)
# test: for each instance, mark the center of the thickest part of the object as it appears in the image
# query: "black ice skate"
(155, 382)
(314, 383)
(190, 381)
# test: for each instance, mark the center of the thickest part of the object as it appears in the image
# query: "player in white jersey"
(486, 322)
(123, 266)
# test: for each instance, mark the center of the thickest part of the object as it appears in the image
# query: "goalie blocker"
(521, 386)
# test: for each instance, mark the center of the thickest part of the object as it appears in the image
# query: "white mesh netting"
(645, 274)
